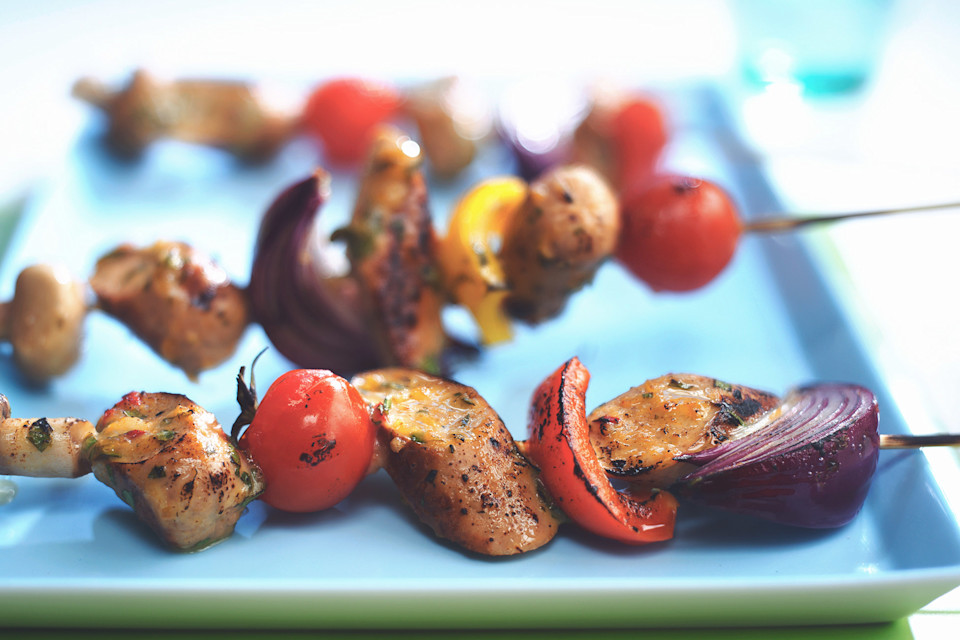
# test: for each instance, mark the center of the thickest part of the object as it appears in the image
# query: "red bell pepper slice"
(559, 444)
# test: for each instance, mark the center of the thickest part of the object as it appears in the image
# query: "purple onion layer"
(811, 466)
(312, 317)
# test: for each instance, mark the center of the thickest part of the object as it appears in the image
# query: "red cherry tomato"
(343, 115)
(639, 134)
(678, 234)
(560, 445)
(313, 439)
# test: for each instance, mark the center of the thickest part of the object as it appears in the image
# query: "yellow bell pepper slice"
(472, 273)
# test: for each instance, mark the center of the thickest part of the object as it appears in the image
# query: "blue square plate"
(771, 321)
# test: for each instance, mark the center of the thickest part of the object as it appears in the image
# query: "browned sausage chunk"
(456, 464)
(643, 434)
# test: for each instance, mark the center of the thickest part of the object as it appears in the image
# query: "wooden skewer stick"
(777, 224)
(888, 441)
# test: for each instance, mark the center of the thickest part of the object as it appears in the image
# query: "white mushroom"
(44, 321)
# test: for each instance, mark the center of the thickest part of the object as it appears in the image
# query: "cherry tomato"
(559, 444)
(343, 115)
(313, 439)
(678, 234)
(639, 134)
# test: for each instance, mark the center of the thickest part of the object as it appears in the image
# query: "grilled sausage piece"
(168, 458)
(643, 434)
(392, 249)
(553, 246)
(175, 299)
(456, 464)
(227, 115)
(42, 447)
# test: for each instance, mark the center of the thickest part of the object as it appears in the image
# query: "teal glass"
(823, 46)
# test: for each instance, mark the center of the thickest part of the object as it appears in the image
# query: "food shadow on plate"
(15, 382)
(121, 521)
(375, 492)
(706, 528)
(600, 545)
(697, 528)
(375, 501)
(119, 526)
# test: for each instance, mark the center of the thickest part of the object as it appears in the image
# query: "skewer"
(777, 224)
(889, 441)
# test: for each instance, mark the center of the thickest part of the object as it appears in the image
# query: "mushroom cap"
(45, 321)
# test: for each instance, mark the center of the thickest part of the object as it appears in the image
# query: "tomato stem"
(777, 224)
(246, 398)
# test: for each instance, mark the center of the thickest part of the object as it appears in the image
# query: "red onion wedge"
(810, 465)
(311, 315)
